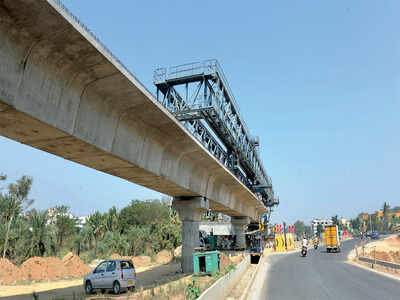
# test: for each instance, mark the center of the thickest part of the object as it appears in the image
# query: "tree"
(299, 228)
(86, 236)
(2, 178)
(143, 213)
(64, 224)
(356, 224)
(320, 229)
(18, 238)
(138, 239)
(309, 232)
(335, 220)
(39, 234)
(386, 210)
(13, 203)
(116, 242)
(165, 235)
(111, 220)
(97, 225)
(2, 201)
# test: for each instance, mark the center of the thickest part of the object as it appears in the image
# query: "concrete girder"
(63, 93)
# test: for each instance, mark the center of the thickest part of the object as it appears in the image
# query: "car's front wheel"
(88, 288)
(116, 288)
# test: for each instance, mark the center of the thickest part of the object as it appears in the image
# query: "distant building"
(323, 222)
(167, 200)
(346, 223)
(52, 215)
(378, 215)
(81, 221)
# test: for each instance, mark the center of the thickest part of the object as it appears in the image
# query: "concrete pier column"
(190, 210)
(239, 226)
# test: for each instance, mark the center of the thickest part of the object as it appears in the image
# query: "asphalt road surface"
(325, 276)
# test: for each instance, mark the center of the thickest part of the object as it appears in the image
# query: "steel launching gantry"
(199, 95)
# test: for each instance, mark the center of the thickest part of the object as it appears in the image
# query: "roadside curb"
(351, 261)
(221, 288)
(253, 291)
(250, 283)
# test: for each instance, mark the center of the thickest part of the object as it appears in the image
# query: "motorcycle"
(316, 246)
(304, 251)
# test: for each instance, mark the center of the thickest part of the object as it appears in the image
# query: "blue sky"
(317, 81)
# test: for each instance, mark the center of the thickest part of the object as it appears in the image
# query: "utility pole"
(370, 224)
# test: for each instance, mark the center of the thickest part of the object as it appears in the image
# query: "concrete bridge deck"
(62, 92)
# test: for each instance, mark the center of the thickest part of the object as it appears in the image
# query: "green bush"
(141, 228)
(192, 291)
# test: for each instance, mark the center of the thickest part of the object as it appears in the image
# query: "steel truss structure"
(199, 95)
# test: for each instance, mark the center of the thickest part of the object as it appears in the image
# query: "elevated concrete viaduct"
(63, 92)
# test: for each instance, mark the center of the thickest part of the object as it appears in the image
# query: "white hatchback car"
(115, 274)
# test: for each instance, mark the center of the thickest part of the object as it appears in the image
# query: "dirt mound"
(9, 273)
(178, 251)
(49, 268)
(115, 256)
(54, 269)
(224, 261)
(393, 241)
(127, 257)
(391, 256)
(163, 257)
(74, 266)
(67, 256)
(381, 255)
(35, 268)
(94, 263)
(38, 268)
(395, 256)
(141, 261)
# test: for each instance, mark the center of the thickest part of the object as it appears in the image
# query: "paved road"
(325, 276)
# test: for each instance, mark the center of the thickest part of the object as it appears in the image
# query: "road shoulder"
(352, 260)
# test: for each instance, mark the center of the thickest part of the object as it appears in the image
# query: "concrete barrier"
(250, 283)
(254, 290)
(221, 288)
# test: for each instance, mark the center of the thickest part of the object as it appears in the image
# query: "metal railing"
(183, 70)
(379, 262)
(197, 68)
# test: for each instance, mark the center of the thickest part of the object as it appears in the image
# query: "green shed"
(205, 262)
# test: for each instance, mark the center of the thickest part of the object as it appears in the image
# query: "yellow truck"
(332, 238)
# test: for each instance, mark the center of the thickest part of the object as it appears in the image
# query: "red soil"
(9, 273)
(74, 266)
